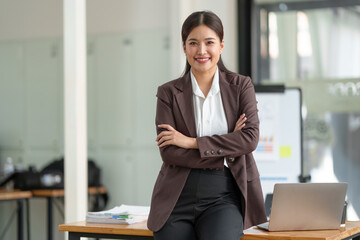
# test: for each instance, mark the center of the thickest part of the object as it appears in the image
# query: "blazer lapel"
(185, 102)
(230, 101)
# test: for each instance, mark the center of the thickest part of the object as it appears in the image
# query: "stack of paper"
(124, 214)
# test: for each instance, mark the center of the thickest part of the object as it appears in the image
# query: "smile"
(202, 60)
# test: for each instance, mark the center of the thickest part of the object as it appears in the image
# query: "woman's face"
(203, 49)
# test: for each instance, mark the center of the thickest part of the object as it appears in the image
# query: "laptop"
(306, 206)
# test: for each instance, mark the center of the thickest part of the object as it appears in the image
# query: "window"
(315, 45)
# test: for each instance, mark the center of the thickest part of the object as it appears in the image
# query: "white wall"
(30, 19)
(43, 19)
(123, 15)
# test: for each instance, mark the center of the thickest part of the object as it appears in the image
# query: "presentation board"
(279, 152)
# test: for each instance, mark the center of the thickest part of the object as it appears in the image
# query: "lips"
(202, 59)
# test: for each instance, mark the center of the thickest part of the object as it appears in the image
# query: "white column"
(180, 10)
(75, 110)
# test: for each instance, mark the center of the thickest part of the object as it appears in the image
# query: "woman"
(207, 124)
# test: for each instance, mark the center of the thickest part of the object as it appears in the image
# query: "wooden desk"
(61, 192)
(350, 231)
(51, 194)
(20, 197)
(13, 195)
(137, 231)
(140, 231)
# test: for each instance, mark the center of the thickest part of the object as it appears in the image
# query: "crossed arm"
(172, 137)
(183, 151)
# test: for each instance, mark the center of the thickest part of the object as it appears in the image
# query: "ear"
(221, 46)
(184, 48)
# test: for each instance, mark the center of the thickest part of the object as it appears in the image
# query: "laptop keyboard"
(264, 226)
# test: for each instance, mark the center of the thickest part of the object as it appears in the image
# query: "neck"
(204, 78)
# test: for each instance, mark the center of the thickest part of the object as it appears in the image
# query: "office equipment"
(306, 206)
(279, 152)
(28, 180)
(56, 167)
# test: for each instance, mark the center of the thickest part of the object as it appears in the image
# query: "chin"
(203, 66)
(203, 69)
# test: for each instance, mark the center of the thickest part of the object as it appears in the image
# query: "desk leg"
(27, 218)
(20, 226)
(49, 218)
(74, 236)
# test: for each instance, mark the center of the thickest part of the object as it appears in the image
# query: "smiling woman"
(207, 125)
(213, 23)
(203, 48)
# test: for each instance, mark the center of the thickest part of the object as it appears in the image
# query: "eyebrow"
(194, 39)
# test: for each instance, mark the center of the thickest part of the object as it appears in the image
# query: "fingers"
(166, 126)
(241, 118)
(240, 124)
(239, 127)
(165, 143)
(163, 133)
(164, 138)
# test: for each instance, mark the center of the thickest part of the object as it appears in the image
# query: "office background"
(133, 46)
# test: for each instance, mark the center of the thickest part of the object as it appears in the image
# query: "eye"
(192, 43)
(210, 42)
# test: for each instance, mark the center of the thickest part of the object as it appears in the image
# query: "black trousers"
(209, 208)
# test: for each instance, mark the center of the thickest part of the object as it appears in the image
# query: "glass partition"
(315, 45)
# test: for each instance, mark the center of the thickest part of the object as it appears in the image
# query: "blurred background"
(135, 46)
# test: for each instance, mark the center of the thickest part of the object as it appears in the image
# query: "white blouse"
(209, 112)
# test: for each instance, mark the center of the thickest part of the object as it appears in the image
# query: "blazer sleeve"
(236, 143)
(174, 155)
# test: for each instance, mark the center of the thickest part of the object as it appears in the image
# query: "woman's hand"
(240, 124)
(173, 137)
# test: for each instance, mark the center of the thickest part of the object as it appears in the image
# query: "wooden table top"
(137, 229)
(61, 192)
(14, 194)
(351, 228)
(254, 233)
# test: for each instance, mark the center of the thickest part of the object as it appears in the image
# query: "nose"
(202, 49)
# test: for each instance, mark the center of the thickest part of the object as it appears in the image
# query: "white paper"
(121, 210)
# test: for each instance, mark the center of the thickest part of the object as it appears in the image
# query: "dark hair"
(208, 19)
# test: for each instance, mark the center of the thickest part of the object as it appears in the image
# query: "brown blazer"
(175, 107)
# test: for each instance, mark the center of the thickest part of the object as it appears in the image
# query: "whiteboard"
(279, 151)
